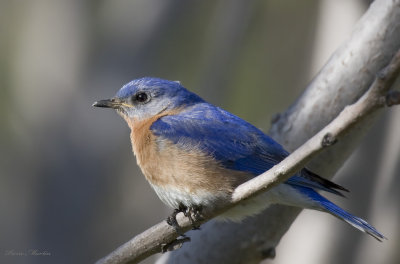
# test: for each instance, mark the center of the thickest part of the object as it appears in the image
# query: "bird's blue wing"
(232, 141)
(235, 143)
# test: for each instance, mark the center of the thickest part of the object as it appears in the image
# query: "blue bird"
(195, 154)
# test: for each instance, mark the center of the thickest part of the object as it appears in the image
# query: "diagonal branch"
(378, 96)
(345, 77)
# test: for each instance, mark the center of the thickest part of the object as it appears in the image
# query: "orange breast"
(187, 169)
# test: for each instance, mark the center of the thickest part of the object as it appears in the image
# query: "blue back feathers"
(233, 142)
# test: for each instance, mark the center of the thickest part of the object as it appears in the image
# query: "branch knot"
(392, 98)
(328, 140)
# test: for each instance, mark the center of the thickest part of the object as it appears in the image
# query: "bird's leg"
(171, 220)
(178, 242)
(194, 214)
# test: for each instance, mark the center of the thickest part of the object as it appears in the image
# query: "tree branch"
(156, 238)
(345, 78)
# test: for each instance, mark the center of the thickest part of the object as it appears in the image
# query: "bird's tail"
(333, 209)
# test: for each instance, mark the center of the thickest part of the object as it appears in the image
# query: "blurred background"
(69, 185)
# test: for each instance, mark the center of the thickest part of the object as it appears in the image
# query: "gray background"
(69, 185)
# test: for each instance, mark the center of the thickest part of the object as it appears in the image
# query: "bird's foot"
(193, 213)
(171, 220)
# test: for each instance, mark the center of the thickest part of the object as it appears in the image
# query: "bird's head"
(144, 98)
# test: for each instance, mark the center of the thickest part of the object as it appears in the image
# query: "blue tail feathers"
(335, 210)
(355, 221)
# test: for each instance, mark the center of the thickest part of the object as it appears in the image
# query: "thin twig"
(152, 240)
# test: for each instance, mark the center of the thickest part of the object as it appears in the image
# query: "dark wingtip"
(327, 183)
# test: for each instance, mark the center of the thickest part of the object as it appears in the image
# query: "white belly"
(174, 197)
(282, 194)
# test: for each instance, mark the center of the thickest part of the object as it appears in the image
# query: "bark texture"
(345, 77)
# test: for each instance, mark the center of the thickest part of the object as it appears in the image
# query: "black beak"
(108, 103)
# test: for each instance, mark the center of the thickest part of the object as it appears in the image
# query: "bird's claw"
(193, 213)
(171, 220)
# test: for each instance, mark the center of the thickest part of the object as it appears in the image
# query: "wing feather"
(235, 143)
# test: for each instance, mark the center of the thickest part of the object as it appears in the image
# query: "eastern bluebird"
(194, 154)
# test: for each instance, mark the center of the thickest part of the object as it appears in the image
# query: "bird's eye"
(141, 97)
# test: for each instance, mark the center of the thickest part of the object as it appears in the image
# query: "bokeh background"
(69, 185)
